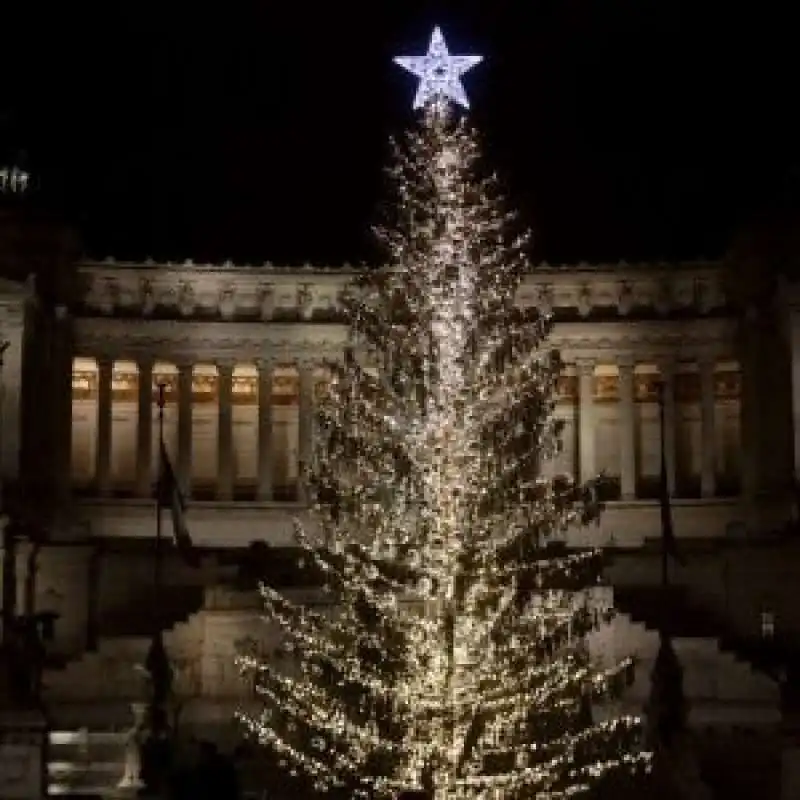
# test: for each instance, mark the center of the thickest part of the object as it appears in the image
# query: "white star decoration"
(439, 72)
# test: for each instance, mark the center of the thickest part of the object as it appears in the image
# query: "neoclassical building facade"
(240, 352)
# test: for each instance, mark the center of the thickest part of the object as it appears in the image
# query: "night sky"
(257, 131)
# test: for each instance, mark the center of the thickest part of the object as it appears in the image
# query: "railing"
(83, 762)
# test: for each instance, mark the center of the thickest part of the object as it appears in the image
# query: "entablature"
(191, 341)
(646, 340)
(231, 293)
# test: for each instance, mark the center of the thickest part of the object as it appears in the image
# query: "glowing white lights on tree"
(449, 650)
(439, 73)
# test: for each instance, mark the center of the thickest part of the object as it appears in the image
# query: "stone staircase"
(94, 693)
(732, 703)
(175, 604)
(716, 682)
(99, 687)
(85, 764)
(687, 619)
(90, 703)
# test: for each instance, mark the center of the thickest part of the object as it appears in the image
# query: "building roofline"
(268, 268)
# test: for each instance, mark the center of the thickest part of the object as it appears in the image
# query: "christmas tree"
(450, 653)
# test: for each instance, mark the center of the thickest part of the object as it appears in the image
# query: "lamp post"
(9, 539)
(9, 656)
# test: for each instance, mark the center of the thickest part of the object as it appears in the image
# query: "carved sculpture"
(148, 297)
(625, 299)
(304, 300)
(186, 302)
(227, 302)
(109, 296)
(267, 302)
(131, 777)
(585, 300)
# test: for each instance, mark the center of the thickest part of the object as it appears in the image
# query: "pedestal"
(23, 747)
(790, 764)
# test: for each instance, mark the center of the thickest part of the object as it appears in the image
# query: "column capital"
(667, 367)
(306, 363)
(625, 362)
(104, 362)
(265, 364)
(225, 366)
(707, 361)
(585, 365)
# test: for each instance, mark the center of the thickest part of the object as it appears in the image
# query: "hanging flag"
(170, 497)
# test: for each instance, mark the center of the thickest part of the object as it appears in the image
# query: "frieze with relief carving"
(169, 380)
(205, 389)
(606, 388)
(244, 391)
(124, 386)
(567, 389)
(310, 294)
(727, 385)
(646, 387)
(84, 385)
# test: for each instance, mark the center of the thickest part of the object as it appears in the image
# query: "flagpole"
(159, 501)
(156, 746)
(664, 486)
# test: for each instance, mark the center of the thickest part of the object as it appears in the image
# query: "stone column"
(185, 401)
(144, 430)
(305, 423)
(708, 460)
(794, 344)
(627, 431)
(666, 370)
(225, 431)
(11, 394)
(750, 404)
(264, 430)
(790, 755)
(586, 431)
(62, 363)
(103, 449)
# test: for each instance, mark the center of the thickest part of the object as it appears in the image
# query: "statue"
(155, 743)
(667, 708)
(131, 778)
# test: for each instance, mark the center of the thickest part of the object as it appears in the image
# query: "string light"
(452, 653)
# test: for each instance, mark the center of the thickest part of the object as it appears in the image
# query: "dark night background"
(257, 130)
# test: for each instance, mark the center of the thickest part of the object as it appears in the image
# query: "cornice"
(648, 339)
(187, 341)
(271, 293)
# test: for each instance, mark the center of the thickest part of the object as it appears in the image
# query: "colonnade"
(705, 384)
(595, 393)
(181, 389)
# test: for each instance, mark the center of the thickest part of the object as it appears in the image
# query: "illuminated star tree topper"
(439, 73)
